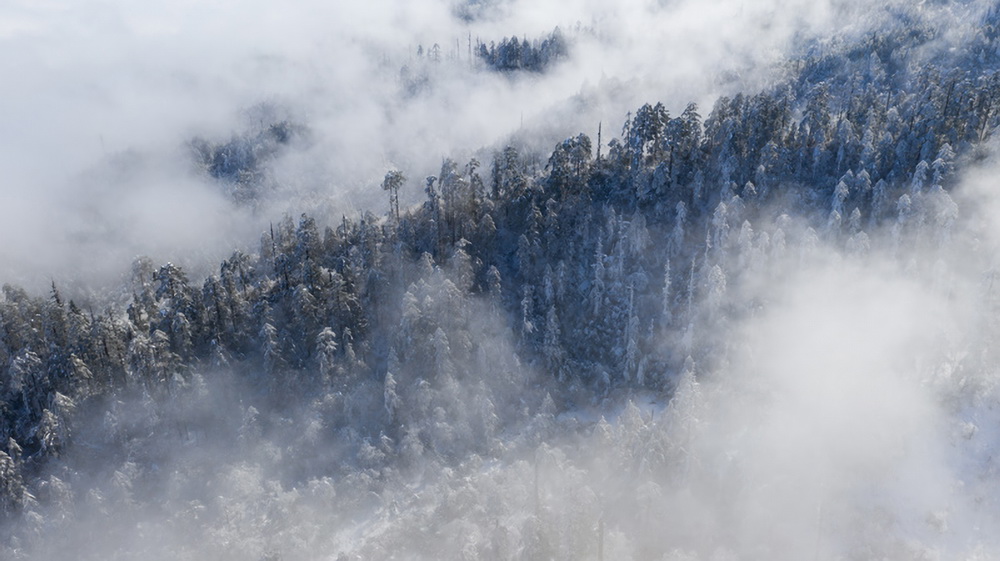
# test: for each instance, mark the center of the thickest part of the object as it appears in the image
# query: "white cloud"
(98, 78)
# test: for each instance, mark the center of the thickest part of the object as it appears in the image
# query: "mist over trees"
(240, 164)
(557, 355)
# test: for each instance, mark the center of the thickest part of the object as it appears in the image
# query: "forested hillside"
(560, 355)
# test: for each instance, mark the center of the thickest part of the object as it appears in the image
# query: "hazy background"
(103, 97)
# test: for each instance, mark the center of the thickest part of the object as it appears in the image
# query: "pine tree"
(12, 490)
(667, 297)
(552, 347)
(326, 353)
(394, 179)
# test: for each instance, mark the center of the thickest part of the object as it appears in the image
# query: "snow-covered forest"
(672, 281)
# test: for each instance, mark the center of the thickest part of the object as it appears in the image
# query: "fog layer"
(108, 94)
(822, 386)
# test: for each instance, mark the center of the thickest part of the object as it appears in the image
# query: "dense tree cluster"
(240, 164)
(510, 56)
(513, 54)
